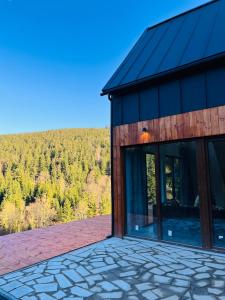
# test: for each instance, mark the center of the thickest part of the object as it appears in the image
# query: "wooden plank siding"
(201, 123)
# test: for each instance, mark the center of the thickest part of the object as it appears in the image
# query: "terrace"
(23, 249)
(121, 269)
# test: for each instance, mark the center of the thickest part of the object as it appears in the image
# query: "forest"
(53, 177)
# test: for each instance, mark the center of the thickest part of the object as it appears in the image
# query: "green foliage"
(53, 176)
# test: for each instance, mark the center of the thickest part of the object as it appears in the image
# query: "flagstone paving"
(121, 269)
(22, 249)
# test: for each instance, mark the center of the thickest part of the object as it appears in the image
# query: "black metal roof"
(189, 38)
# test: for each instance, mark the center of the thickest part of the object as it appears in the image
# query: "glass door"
(216, 155)
(180, 201)
(162, 192)
(140, 174)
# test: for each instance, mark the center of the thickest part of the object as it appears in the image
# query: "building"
(168, 132)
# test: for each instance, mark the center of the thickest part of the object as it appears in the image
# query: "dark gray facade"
(195, 91)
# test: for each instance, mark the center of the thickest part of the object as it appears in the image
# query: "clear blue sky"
(56, 55)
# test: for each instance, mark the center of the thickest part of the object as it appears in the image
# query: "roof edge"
(163, 74)
(181, 14)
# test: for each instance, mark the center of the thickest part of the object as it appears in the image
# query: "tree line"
(52, 177)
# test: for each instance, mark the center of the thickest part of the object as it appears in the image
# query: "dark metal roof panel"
(153, 64)
(129, 60)
(217, 39)
(187, 38)
(146, 52)
(172, 58)
(200, 37)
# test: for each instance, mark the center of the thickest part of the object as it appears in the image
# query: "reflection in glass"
(141, 192)
(179, 193)
(216, 149)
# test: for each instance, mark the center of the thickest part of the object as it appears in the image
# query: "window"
(179, 193)
(216, 150)
(141, 192)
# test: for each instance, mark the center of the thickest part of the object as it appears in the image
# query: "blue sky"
(56, 55)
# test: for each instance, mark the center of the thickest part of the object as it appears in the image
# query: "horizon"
(55, 57)
(50, 130)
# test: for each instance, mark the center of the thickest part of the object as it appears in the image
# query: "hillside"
(52, 177)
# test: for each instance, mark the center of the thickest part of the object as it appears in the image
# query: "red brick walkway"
(22, 249)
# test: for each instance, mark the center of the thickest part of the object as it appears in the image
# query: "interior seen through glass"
(179, 196)
(179, 193)
(141, 192)
(217, 183)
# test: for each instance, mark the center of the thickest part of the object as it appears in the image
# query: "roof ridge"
(181, 14)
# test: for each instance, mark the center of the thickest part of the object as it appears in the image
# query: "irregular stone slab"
(109, 260)
(73, 275)
(218, 283)
(157, 271)
(21, 291)
(144, 286)
(13, 275)
(202, 283)
(122, 285)
(186, 272)
(202, 276)
(98, 264)
(174, 297)
(203, 297)
(215, 266)
(2, 281)
(32, 282)
(45, 279)
(45, 287)
(129, 273)
(104, 269)
(182, 283)
(96, 289)
(44, 296)
(29, 298)
(215, 291)
(178, 276)
(162, 279)
(92, 279)
(177, 290)
(59, 295)
(113, 295)
(78, 291)
(63, 281)
(11, 285)
(53, 271)
(29, 278)
(107, 286)
(83, 285)
(82, 271)
(150, 295)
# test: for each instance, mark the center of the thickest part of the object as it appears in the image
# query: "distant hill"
(53, 176)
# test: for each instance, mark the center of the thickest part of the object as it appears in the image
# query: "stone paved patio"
(25, 248)
(122, 269)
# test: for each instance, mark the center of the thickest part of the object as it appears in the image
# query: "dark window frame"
(204, 187)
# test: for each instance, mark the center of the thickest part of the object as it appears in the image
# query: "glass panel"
(216, 149)
(179, 193)
(141, 192)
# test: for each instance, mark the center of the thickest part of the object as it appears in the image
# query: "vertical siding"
(215, 86)
(189, 93)
(130, 108)
(193, 92)
(169, 99)
(149, 104)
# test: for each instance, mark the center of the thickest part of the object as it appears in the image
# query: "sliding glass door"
(216, 154)
(179, 193)
(140, 170)
(169, 196)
